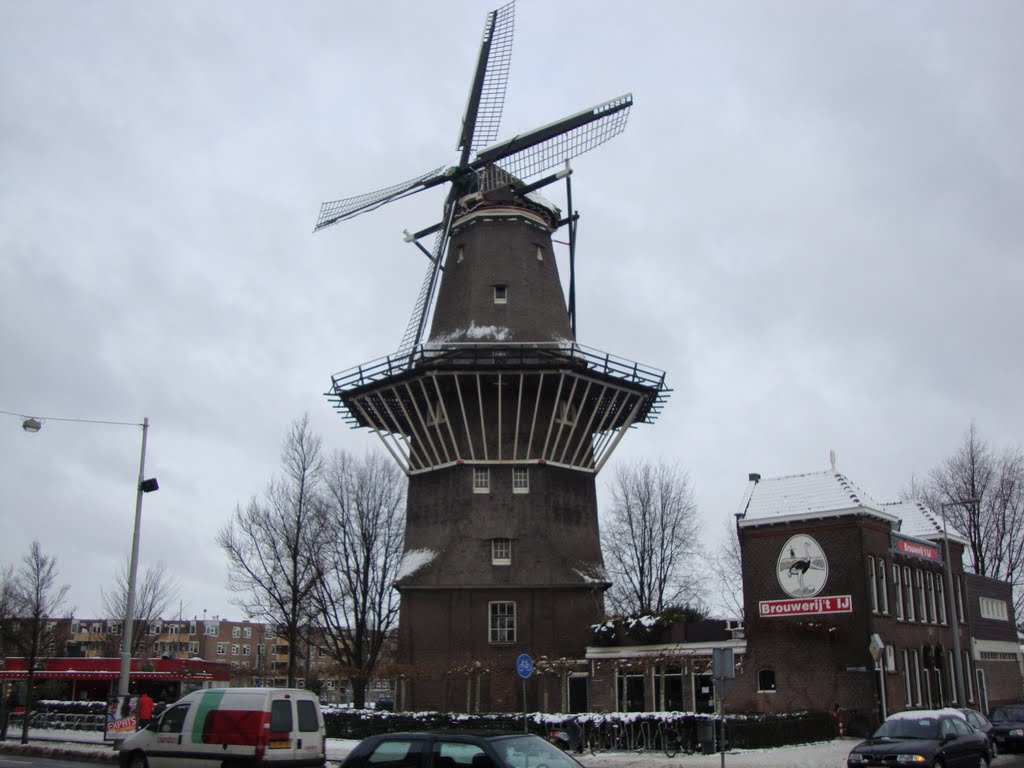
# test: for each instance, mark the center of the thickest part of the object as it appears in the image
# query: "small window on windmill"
(481, 480)
(566, 412)
(500, 294)
(501, 551)
(435, 414)
(460, 254)
(540, 253)
(520, 479)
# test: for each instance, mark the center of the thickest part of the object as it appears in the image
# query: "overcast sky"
(813, 223)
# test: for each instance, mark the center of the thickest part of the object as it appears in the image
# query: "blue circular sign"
(524, 665)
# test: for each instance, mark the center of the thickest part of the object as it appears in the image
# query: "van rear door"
(310, 743)
(281, 739)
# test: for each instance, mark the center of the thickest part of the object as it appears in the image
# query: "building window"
(501, 551)
(922, 611)
(915, 671)
(909, 587)
(933, 614)
(74, 627)
(114, 628)
(502, 622)
(883, 593)
(222, 648)
(959, 599)
(872, 585)
(153, 629)
(247, 632)
(906, 676)
(940, 598)
(968, 682)
(236, 632)
(766, 681)
(234, 649)
(191, 627)
(97, 628)
(500, 294)
(211, 628)
(481, 480)
(993, 609)
(897, 589)
(193, 648)
(890, 658)
(520, 479)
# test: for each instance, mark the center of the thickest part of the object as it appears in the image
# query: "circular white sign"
(802, 569)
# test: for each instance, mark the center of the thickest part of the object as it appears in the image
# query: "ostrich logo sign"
(802, 570)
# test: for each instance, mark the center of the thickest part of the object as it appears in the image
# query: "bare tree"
(650, 539)
(994, 523)
(154, 594)
(37, 602)
(7, 616)
(272, 544)
(357, 605)
(725, 566)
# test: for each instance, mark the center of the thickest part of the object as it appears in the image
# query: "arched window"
(765, 680)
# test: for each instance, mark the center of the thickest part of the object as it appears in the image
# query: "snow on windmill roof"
(807, 496)
(920, 522)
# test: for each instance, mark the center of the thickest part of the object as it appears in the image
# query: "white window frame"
(501, 294)
(481, 480)
(247, 632)
(915, 661)
(520, 479)
(234, 649)
(872, 585)
(897, 585)
(922, 612)
(933, 613)
(501, 551)
(222, 649)
(906, 677)
(992, 609)
(968, 677)
(908, 585)
(940, 599)
(212, 629)
(890, 658)
(501, 625)
(961, 614)
(236, 632)
(883, 592)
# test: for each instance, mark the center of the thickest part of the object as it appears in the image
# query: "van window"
(173, 719)
(281, 716)
(308, 721)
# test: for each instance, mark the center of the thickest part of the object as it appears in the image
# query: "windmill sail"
(486, 100)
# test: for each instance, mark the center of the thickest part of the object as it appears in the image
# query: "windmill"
(500, 419)
(497, 169)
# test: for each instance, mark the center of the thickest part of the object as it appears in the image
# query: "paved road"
(24, 761)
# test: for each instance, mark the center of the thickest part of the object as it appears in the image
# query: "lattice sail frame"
(434, 408)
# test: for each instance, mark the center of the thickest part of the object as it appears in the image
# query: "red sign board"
(918, 550)
(806, 606)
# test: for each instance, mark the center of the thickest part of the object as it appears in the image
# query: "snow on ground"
(826, 754)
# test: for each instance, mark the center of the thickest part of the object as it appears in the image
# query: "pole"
(953, 620)
(129, 612)
(525, 729)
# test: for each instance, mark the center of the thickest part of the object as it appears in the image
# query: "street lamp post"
(954, 621)
(32, 424)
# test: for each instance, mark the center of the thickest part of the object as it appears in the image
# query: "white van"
(231, 728)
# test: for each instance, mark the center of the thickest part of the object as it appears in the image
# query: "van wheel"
(138, 760)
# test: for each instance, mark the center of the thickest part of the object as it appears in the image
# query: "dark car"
(1008, 726)
(981, 723)
(457, 750)
(927, 738)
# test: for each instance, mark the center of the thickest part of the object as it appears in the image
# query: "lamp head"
(150, 485)
(32, 424)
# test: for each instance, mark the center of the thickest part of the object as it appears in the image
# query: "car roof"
(917, 714)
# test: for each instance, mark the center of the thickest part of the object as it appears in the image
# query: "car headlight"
(1017, 732)
(910, 759)
(857, 757)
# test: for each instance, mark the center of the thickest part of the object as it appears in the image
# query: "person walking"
(145, 711)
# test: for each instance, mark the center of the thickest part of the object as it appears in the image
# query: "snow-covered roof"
(920, 522)
(800, 497)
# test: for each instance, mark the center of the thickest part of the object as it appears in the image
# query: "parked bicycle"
(673, 740)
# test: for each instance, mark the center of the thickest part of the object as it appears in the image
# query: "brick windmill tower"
(500, 420)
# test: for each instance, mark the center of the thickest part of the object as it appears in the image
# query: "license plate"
(280, 744)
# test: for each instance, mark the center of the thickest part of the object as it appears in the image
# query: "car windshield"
(1001, 714)
(909, 728)
(530, 752)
